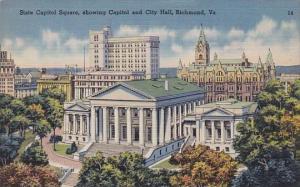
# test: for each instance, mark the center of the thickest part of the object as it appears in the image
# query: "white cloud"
(132, 30)
(264, 28)
(51, 39)
(235, 33)
(7, 44)
(176, 48)
(20, 42)
(193, 34)
(75, 43)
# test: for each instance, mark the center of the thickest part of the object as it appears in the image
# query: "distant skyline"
(250, 26)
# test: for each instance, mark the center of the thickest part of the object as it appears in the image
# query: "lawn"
(165, 165)
(61, 149)
(29, 137)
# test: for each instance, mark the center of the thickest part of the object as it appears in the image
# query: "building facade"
(88, 83)
(140, 53)
(25, 90)
(62, 82)
(226, 78)
(7, 72)
(214, 124)
(140, 112)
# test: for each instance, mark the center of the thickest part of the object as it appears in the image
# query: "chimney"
(166, 85)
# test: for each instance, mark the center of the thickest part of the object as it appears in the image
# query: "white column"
(222, 132)
(81, 125)
(185, 109)
(190, 108)
(154, 127)
(105, 129)
(117, 129)
(162, 127)
(203, 131)
(141, 127)
(232, 129)
(194, 109)
(180, 121)
(197, 131)
(213, 131)
(74, 124)
(168, 126)
(93, 124)
(199, 102)
(129, 127)
(175, 122)
(88, 125)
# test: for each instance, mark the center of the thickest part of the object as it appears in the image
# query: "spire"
(269, 57)
(180, 66)
(243, 55)
(259, 62)
(202, 35)
(215, 56)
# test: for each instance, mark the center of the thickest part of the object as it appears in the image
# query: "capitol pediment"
(121, 92)
(77, 107)
(218, 112)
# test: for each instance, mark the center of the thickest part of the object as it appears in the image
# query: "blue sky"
(250, 26)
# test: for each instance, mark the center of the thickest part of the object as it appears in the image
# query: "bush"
(34, 155)
(68, 151)
(57, 138)
(72, 149)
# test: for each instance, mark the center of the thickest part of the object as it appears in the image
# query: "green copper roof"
(156, 87)
(231, 104)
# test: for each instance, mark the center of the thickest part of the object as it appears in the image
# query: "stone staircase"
(71, 180)
(114, 149)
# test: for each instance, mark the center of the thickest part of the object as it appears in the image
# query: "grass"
(61, 149)
(29, 137)
(165, 165)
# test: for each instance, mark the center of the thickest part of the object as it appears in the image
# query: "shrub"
(56, 138)
(68, 151)
(72, 149)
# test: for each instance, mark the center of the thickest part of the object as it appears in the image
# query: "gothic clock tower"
(202, 50)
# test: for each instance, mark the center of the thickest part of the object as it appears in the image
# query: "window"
(112, 131)
(194, 132)
(124, 132)
(219, 133)
(149, 133)
(228, 133)
(217, 148)
(226, 149)
(83, 139)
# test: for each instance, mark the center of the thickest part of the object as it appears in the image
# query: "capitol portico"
(142, 112)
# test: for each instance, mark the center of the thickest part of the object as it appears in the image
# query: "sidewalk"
(57, 160)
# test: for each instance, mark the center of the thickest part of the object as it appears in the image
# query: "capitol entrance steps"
(114, 149)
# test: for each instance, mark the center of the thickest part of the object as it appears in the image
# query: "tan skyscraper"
(7, 71)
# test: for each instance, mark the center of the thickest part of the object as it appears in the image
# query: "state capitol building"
(226, 78)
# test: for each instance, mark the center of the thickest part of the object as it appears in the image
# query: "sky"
(237, 26)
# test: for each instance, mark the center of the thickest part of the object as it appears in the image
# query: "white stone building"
(214, 124)
(139, 53)
(141, 112)
(88, 83)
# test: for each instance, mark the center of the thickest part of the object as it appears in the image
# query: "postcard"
(139, 93)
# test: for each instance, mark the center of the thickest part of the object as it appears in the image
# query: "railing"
(80, 154)
(156, 154)
(184, 144)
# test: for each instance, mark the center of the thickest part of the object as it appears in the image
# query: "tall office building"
(7, 71)
(138, 53)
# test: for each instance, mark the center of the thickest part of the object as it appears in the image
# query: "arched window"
(200, 56)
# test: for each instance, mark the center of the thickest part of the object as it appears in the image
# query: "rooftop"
(156, 87)
(231, 104)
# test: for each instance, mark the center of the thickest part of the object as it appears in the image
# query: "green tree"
(54, 115)
(202, 166)
(20, 123)
(35, 113)
(42, 129)
(54, 93)
(127, 169)
(5, 116)
(266, 144)
(34, 155)
(18, 107)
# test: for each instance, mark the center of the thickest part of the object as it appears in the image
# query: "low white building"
(214, 124)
